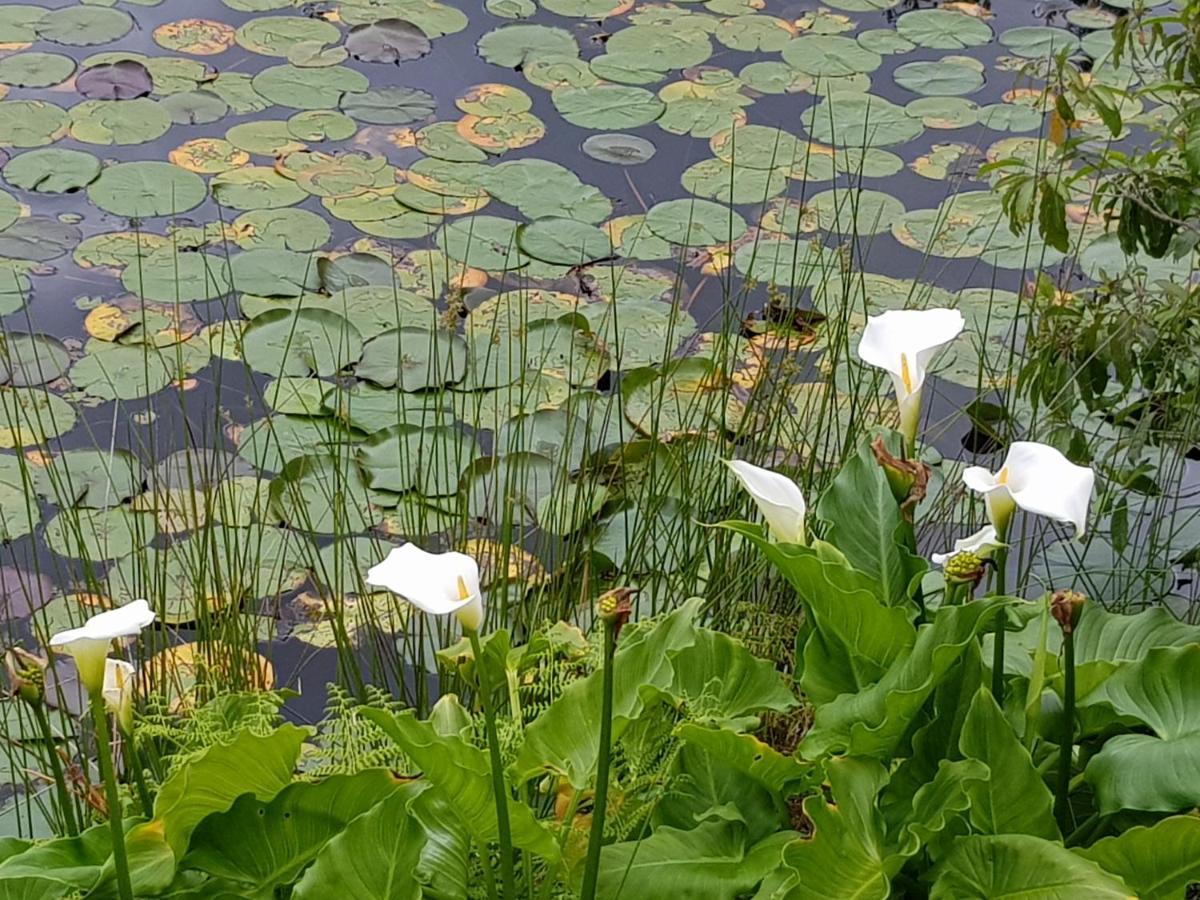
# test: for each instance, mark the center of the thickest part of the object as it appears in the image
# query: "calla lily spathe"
(89, 644)
(903, 342)
(779, 499)
(440, 584)
(982, 543)
(1038, 479)
(118, 691)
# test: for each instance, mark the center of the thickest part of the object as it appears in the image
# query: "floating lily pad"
(413, 359)
(389, 105)
(387, 41)
(144, 189)
(307, 341)
(32, 123)
(695, 223)
(32, 415)
(513, 46)
(119, 121)
(96, 535)
(31, 359)
(84, 26)
(275, 35)
(51, 171)
(484, 242)
(256, 187)
(35, 70)
(1039, 41)
(200, 37)
(36, 238)
(607, 106)
(309, 88)
(125, 79)
(830, 56)
(949, 76)
(564, 241)
(428, 460)
(943, 29)
(166, 275)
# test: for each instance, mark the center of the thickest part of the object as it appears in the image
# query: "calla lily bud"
(614, 607)
(778, 498)
(26, 674)
(119, 677)
(1066, 606)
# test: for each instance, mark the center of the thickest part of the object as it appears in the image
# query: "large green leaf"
(261, 845)
(999, 867)
(212, 779)
(845, 857)
(1158, 862)
(865, 523)
(937, 804)
(1152, 772)
(713, 860)
(1015, 800)
(375, 858)
(872, 721)
(564, 738)
(778, 773)
(718, 679)
(462, 773)
(854, 638)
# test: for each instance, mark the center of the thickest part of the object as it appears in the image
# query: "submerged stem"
(600, 804)
(104, 751)
(507, 874)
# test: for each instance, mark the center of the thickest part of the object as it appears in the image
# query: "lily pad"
(307, 341)
(139, 190)
(52, 171)
(413, 359)
(35, 70)
(694, 223)
(387, 41)
(564, 241)
(389, 105)
(607, 106)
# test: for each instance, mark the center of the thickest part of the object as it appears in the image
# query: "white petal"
(982, 543)
(118, 682)
(779, 499)
(430, 581)
(124, 621)
(979, 479)
(1044, 482)
(908, 338)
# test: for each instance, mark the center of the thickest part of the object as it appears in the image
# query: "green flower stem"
(600, 804)
(104, 750)
(1062, 805)
(507, 874)
(139, 776)
(65, 804)
(998, 645)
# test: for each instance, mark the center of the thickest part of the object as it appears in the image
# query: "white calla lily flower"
(1038, 479)
(779, 499)
(89, 644)
(440, 584)
(118, 691)
(903, 342)
(982, 543)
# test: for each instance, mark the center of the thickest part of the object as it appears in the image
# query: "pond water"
(229, 228)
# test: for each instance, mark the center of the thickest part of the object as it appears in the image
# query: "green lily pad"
(52, 171)
(323, 494)
(513, 46)
(303, 88)
(413, 359)
(281, 229)
(256, 187)
(851, 119)
(31, 359)
(604, 107)
(430, 461)
(84, 26)
(389, 105)
(1039, 41)
(303, 342)
(830, 56)
(694, 223)
(274, 273)
(36, 238)
(387, 41)
(943, 29)
(483, 242)
(948, 77)
(32, 415)
(564, 241)
(32, 123)
(275, 35)
(140, 190)
(99, 534)
(35, 70)
(119, 122)
(168, 276)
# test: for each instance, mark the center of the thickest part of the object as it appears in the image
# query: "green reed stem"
(65, 804)
(600, 804)
(104, 751)
(139, 776)
(1062, 804)
(998, 645)
(507, 874)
